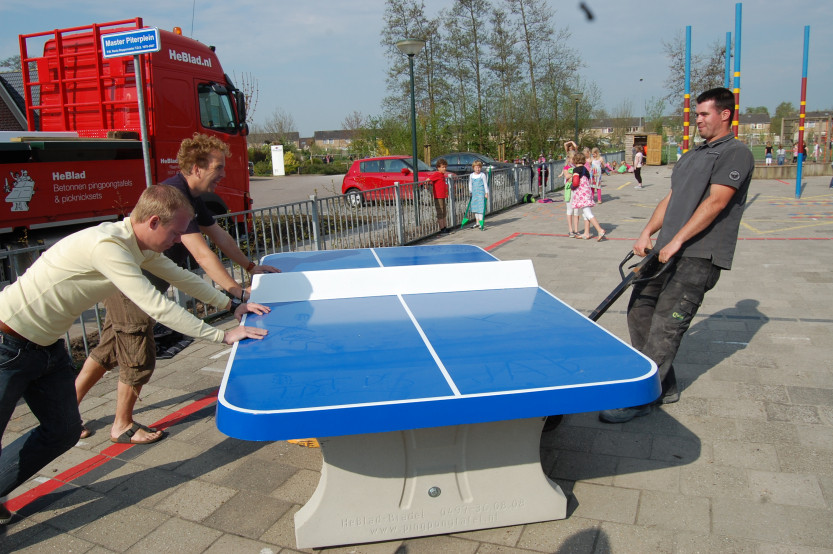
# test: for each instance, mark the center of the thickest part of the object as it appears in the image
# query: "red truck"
(81, 159)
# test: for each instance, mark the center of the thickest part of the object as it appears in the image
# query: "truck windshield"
(216, 111)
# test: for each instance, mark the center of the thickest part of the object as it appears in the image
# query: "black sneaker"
(622, 415)
(5, 515)
(670, 392)
(670, 397)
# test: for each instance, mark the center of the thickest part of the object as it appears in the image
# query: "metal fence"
(393, 216)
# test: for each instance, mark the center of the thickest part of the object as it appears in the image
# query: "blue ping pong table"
(426, 373)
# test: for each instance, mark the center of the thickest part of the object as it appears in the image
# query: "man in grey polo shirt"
(698, 225)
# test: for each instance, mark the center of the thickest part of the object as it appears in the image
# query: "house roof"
(260, 137)
(342, 134)
(610, 122)
(753, 118)
(12, 104)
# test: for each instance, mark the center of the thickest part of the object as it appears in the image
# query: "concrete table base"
(401, 484)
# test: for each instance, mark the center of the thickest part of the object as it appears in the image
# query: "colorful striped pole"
(738, 10)
(687, 98)
(802, 113)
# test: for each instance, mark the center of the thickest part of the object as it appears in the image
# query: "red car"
(385, 171)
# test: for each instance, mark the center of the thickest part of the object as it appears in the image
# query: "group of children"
(582, 175)
(582, 181)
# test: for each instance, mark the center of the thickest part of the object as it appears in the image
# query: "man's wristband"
(250, 267)
(234, 305)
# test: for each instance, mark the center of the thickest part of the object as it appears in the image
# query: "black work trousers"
(660, 312)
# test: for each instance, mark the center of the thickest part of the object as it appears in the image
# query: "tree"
(277, 126)
(360, 144)
(389, 135)
(550, 66)
(654, 120)
(533, 19)
(707, 70)
(407, 19)
(757, 109)
(503, 63)
(491, 72)
(784, 109)
(560, 80)
(12, 63)
(353, 122)
(251, 91)
(459, 74)
(622, 116)
(468, 12)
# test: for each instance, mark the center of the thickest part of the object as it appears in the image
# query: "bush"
(290, 163)
(317, 167)
(259, 154)
(263, 168)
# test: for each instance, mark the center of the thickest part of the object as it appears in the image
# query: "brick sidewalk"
(743, 463)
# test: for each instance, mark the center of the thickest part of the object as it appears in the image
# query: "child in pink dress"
(582, 199)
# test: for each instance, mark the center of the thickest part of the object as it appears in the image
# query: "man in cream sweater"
(70, 277)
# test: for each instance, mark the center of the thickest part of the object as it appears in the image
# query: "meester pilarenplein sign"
(131, 43)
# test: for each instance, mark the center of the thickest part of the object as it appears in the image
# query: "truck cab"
(98, 173)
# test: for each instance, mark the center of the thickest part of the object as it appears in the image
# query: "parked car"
(460, 162)
(373, 173)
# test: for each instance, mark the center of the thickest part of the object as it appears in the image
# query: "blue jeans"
(44, 378)
(660, 312)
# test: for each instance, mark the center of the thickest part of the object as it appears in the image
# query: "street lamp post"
(577, 99)
(411, 47)
(642, 100)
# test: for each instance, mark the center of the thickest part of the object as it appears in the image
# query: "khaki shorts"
(440, 204)
(126, 341)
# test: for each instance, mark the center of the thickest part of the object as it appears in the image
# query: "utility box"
(277, 160)
(651, 142)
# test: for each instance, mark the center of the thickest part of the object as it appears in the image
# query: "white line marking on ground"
(213, 369)
(220, 354)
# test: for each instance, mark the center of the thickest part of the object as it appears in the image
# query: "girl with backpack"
(582, 199)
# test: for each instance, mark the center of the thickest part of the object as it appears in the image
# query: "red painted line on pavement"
(785, 238)
(780, 181)
(504, 241)
(105, 456)
(514, 236)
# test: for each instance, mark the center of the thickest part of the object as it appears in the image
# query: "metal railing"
(391, 216)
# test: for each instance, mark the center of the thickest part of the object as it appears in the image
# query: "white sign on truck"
(130, 43)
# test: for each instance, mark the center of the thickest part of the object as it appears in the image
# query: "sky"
(321, 60)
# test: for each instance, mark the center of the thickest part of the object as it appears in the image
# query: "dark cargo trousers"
(660, 312)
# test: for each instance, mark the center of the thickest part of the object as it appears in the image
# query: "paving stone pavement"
(743, 463)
